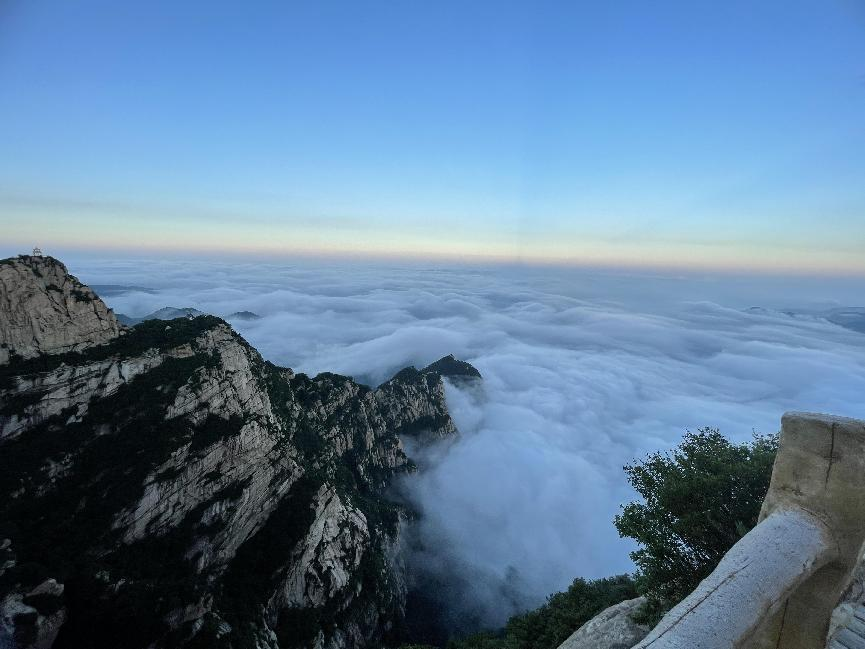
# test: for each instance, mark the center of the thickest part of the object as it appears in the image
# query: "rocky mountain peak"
(169, 487)
(45, 310)
(451, 367)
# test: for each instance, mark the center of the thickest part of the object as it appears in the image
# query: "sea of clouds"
(584, 371)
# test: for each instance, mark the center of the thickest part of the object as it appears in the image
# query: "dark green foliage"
(128, 617)
(151, 334)
(214, 429)
(142, 437)
(422, 424)
(331, 377)
(80, 296)
(17, 402)
(45, 603)
(277, 387)
(406, 375)
(158, 578)
(254, 570)
(107, 474)
(308, 439)
(412, 376)
(451, 367)
(698, 501)
(482, 640)
(550, 625)
(26, 631)
(297, 627)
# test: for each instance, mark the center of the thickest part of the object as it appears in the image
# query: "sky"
(583, 371)
(723, 135)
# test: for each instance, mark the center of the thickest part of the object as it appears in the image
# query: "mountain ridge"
(170, 487)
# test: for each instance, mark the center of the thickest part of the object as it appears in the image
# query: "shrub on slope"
(550, 625)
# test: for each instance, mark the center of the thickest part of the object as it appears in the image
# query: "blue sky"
(727, 135)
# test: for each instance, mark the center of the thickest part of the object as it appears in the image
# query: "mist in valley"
(583, 371)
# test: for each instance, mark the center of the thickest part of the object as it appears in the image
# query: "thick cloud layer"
(583, 372)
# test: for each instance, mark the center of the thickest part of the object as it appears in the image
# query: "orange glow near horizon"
(682, 258)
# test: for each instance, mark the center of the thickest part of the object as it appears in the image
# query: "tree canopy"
(697, 502)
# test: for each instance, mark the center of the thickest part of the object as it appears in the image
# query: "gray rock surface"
(413, 403)
(23, 626)
(329, 553)
(612, 628)
(194, 491)
(45, 310)
(70, 388)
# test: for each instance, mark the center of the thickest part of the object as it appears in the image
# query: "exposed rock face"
(170, 488)
(612, 628)
(45, 310)
(407, 411)
(23, 624)
(329, 553)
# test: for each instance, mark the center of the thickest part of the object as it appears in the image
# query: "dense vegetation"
(550, 625)
(159, 335)
(698, 501)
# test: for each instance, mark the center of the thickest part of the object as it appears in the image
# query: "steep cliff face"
(45, 310)
(170, 488)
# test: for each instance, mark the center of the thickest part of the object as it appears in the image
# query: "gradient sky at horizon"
(723, 135)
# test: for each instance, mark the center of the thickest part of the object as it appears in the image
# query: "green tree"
(563, 613)
(698, 501)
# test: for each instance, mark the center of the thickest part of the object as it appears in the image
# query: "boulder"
(612, 628)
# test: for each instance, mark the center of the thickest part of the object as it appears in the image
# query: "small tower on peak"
(37, 251)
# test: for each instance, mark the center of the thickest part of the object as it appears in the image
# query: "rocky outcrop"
(67, 389)
(34, 618)
(172, 488)
(454, 369)
(329, 553)
(45, 310)
(612, 628)
(413, 403)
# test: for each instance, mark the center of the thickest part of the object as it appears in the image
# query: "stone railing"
(778, 586)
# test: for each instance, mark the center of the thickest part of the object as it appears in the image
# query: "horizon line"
(269, 254)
